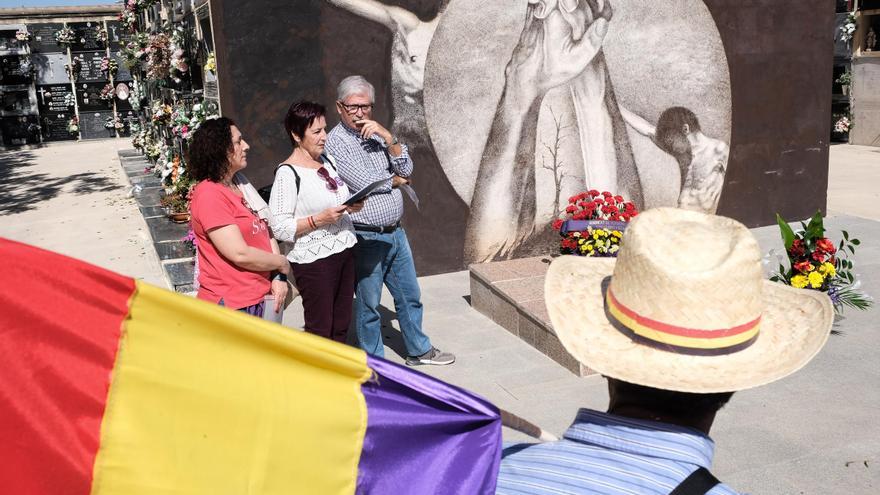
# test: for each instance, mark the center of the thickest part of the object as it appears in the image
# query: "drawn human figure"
(702, 160)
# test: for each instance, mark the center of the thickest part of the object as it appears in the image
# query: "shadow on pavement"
(22, 187)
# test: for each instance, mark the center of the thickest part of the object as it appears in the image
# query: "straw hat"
(685, 307)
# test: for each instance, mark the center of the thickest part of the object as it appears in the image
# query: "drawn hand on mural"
(559, 40)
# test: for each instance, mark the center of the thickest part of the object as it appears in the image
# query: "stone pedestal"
(511, 293)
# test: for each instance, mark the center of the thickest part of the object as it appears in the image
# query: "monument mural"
(510, 109)
(557, 63)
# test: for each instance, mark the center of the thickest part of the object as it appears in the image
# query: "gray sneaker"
(434, 356)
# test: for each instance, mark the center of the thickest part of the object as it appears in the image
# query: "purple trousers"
(327, 289)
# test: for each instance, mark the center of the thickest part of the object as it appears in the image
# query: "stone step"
(511, 293)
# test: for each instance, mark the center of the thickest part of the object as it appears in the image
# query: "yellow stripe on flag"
(211, 401)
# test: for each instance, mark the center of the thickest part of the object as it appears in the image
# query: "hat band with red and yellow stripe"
(677, 338)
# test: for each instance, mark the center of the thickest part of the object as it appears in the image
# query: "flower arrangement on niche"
(102, 35)
(23, 35)
(107, 93)
(842, 125)
(65, 36)
(211, 63)
(74, 67)
(73, 125)
(816, 263)
(109, 66)
(595, 223)
(848, 29)
(114, 123)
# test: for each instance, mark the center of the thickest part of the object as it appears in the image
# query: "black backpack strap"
(326, 158)
(266, 191)
(698, 483)
(295, 175)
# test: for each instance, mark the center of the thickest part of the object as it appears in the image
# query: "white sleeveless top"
(288, 206)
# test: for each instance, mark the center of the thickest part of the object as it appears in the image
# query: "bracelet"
(312, 223)
(280, 276)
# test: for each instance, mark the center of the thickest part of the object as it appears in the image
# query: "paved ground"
(72, 197)
(812, 433)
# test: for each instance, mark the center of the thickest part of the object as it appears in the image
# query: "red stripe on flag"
(60, 323)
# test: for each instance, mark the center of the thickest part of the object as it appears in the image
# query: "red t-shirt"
(214, 205)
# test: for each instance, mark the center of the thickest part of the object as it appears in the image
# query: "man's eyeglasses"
(353, 109)
(332, 185)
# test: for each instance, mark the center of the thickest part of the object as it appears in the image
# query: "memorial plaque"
(8, 43)
(55, 98)
(88, 97)
(117, 36)
(44, 38)
(91, 125)
(122, 74)
(50, 68)
(20, 130)
(18, 100)
(86, 36)
(15, 69)
(54, 126)
(91, 66)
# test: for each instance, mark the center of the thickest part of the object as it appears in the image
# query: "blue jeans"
(386, 259)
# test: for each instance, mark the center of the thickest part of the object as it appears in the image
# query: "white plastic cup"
(269, 310)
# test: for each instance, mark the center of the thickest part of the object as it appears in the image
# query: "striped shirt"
(363, 161)
(606, 454)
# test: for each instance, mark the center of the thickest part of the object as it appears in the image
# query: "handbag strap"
(698, 483)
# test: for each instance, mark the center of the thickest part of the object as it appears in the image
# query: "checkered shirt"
(361, 162)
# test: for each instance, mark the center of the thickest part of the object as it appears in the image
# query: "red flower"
(797, 248)
(570, 209)
(803, 266)
(818, 256)
(825, 245)
(557, 224)
(607, 194)
(593, 193)
(618, 198)
(573, 199)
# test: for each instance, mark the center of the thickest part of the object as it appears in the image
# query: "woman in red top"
(237, 255)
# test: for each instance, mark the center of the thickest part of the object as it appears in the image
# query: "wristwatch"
(393, 142)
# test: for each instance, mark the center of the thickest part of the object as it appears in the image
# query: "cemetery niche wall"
(439, 68)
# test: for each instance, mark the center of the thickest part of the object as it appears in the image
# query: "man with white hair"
(366, 152)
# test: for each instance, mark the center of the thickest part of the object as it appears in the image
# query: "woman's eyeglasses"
(332, 183)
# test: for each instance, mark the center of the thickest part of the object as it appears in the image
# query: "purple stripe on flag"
(426, 436)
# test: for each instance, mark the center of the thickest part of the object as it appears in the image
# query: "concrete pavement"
(812, 433)
(72, 197)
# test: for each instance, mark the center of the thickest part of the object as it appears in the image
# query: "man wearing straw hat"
(679, 322)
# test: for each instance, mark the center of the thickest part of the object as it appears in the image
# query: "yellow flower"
(617, 234)
(827, 269)
(799, 281)
(816, 280)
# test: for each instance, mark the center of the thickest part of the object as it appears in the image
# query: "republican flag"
(112, 386)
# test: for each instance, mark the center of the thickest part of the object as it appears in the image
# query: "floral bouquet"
(211, 63)
(843, 125)
(109, 66)
(815, 263)
(73, 69)
(101, 34)
(107, 92)
(73, 125)
(23, 35)
(595, 224)
(65, 36)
